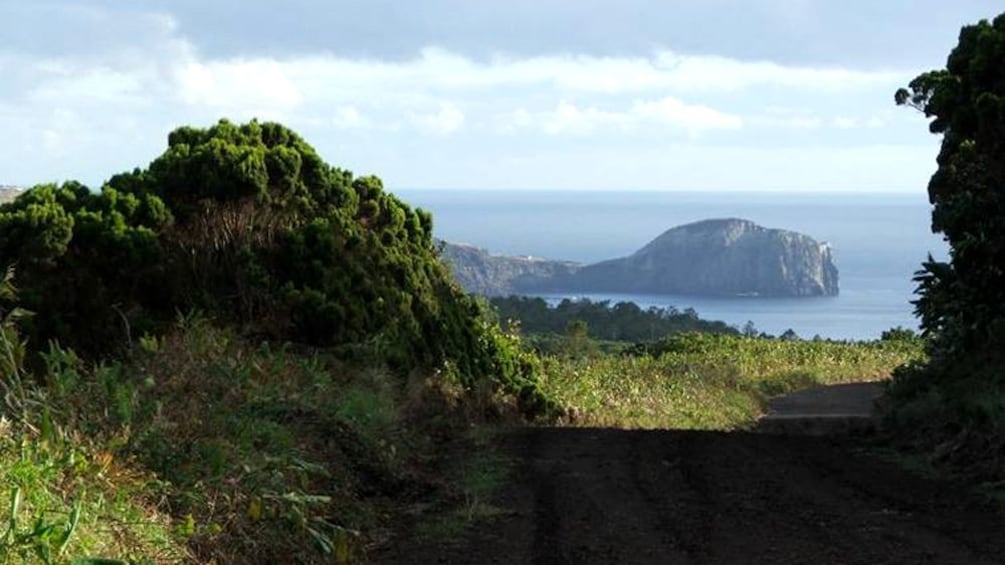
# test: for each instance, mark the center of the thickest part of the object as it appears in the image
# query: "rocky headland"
(498, 275)
(720, 257)
(8, 193)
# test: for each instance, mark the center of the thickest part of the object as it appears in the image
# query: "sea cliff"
(719, 257)
(498, 275)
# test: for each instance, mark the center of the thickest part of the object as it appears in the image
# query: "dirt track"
(614, 496)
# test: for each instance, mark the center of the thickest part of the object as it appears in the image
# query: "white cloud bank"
(90, 115)
(419, 89)
(669, 112)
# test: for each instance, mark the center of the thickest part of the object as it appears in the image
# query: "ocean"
(878, 241)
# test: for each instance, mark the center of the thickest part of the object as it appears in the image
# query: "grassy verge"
(204, 447)
(709, 381)
(68, 494)
(66, 497)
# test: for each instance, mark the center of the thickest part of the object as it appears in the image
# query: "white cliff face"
(495, 275)
(728, 257)
(8, 193)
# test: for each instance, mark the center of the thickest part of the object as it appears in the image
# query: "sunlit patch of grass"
(64, 495)
(709, 381)
(64, 498)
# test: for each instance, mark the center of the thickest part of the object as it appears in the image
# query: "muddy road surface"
(617, 496)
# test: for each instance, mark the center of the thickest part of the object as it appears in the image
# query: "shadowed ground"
(619, 496)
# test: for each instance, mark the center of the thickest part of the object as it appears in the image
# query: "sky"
(710, 95)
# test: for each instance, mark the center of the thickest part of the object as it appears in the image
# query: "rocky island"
(721, 257)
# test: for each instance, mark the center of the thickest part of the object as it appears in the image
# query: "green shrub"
(247, 224)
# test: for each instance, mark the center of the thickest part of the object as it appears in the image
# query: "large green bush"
(248, 224)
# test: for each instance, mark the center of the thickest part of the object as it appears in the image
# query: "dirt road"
(824, 410)
(615, 496)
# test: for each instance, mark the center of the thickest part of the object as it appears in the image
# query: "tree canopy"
(953, 403)
(248, 224)
(624, 321)
(962, 302)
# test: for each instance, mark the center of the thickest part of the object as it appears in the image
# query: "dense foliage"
(248, 224)
(205, 447)
(962, 302)
(624, 321)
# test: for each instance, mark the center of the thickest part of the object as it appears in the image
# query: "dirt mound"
(824, 410)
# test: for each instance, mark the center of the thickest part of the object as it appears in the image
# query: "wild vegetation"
(601, 364)
(322, 345)
(710, 381)
(954, 404)
(203, 446)
(247, 224)
(64, 493)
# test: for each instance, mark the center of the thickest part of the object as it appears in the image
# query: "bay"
(878, 239)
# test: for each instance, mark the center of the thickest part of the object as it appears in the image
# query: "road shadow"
(595, 495)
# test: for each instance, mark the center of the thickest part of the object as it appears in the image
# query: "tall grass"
(65, 495)
(202, 446)
(268, 454)
(702, 381)
(66, 498)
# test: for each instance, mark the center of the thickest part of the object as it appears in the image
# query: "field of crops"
(702, 381)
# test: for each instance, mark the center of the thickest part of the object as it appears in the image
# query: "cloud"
(569, 118)
(691, 117)
(664, 70)
(849, 122)
(795, 118)
(348, 117)
(448, 119)
(709, 72)
(260, 83)
(787, 122)
(662, 114)
(610, 91)
(90, 112)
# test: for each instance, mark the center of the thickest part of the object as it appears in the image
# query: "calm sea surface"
(879, 240)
